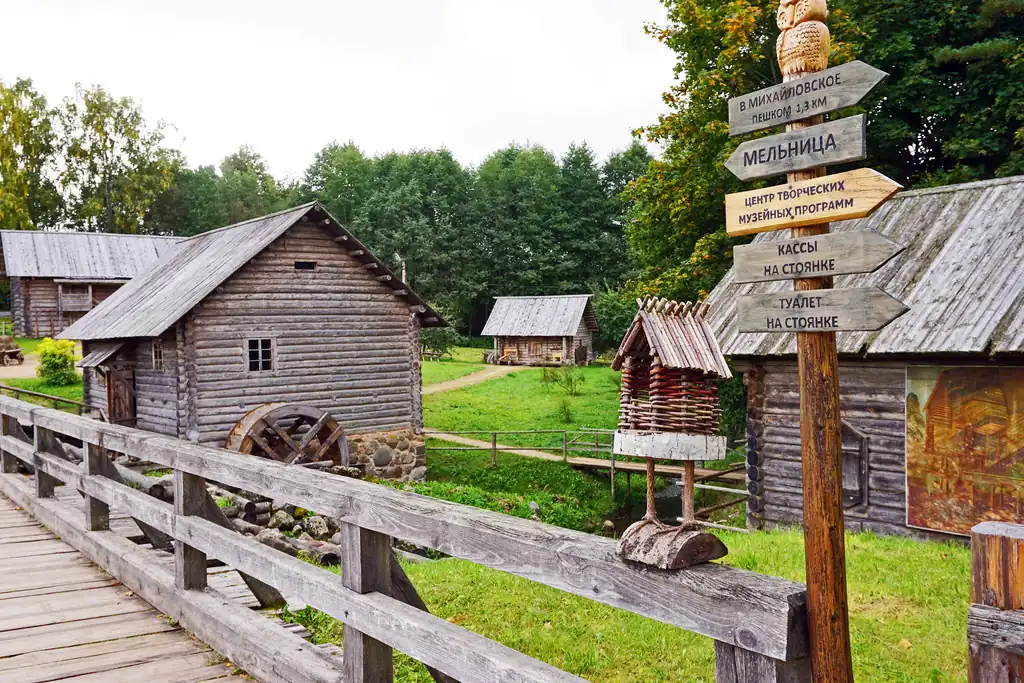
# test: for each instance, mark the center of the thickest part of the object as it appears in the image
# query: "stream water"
(668, 502)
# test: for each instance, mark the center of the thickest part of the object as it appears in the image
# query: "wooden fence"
(56, 401)
(995, 620)
(758, 622)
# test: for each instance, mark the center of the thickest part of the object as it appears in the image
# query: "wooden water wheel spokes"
(291, 433)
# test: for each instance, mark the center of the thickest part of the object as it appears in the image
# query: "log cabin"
(290, 307)
(57, 277)
(933, 404)
(542, 330)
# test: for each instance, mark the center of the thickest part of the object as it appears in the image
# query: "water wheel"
(291, 433)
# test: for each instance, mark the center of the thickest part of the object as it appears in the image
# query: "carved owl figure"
(803, 44)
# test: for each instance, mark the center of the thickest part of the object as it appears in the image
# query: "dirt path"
(26, 369)
(489, 373)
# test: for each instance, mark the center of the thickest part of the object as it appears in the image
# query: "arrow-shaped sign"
(819, 93)
(838, 197)
(835, 142)
(818, 310)
(838, 253)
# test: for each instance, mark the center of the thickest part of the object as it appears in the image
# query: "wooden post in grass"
(995, 621)
(803, 48)
(494, 449)
(565, 446)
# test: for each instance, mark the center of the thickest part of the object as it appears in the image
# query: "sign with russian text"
(835, 142)
(818, 310)
(838, 197)
(838, 253)
(819, 93)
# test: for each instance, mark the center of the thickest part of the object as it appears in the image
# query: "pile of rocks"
(399, 456)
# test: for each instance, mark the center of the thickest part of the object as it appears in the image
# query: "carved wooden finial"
(803, 43)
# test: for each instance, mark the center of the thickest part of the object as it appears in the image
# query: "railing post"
(612, 470)
(995, 622)
(8, 463)
(45, 442)
(733, 664)
(565, 446)
(365, 568)
(189, 500)
(97, 513)
(494, 449)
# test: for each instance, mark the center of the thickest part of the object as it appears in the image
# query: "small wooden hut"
(933, 404)
(287, 308)
(57, 277)
(542, 330)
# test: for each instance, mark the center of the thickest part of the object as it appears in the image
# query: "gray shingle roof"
(961, 275)
(170, 288)
(678, 334)
(81, 255)
(539, 316)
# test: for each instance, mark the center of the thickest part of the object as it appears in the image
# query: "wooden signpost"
(814, 311)
(835, 142)
(819, 93)
(818, 310)
(839, 197)
(841, 253)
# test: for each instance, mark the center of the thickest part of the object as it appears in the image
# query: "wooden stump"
(667, 547)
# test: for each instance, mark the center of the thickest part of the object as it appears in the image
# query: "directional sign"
(819, 93)
(838, 197)
(838, 253)
(818, 310)
(835, 142)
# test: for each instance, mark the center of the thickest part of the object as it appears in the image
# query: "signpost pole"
(821, 439)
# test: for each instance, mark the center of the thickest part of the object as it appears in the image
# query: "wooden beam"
(189, 563)
(384, 278)
(996, 628)
(356, 252)
(365, 563)
(997, 588)
(97, 513)
(371, 266)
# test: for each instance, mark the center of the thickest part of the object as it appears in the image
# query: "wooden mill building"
(961, 345)
(57, 277)
(290, 307)
(543, 330)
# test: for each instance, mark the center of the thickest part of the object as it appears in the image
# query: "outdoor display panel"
(965, 446)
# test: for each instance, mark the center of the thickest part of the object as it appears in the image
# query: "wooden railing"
(995, 619)
(757, 621)
(55, 401)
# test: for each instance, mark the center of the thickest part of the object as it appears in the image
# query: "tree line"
(522, 222)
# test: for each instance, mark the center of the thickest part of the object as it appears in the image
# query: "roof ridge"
(225, 228)
(546, 296)
(46, 231)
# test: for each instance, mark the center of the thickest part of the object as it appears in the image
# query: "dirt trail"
(489, 373)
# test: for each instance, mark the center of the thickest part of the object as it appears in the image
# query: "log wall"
(342, 342)
(34, 308)
(156, 390)
(535, 350)
(872, 401)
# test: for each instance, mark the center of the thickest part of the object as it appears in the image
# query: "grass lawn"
(464, 361)
(520, 401)
(27, 345)
(908, 604)
(71, 391)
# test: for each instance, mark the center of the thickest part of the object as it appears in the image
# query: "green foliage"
(57, 362)
(442, 340)
(114, 165)
(615, 308)
(72, 391)
(732, 397)
(28, 152)
(566, 413)
(570, 379)
(247, 187)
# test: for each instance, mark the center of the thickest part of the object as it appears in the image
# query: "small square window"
(305, 265)
(261, 355)
(158, 355)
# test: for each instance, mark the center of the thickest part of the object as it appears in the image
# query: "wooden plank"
(817, 310)
(22, 613)
(67, 634)
(669, 446)
(819, 93)
(841, 253)
(97, 513)
(269, 653)
(36, 549)
(838, 197)
(82, 585)
(759, 612)
(736, 665)
(100, 652)
(366, 560)
(825, 144)
(182, 669)
(189, 499)
(999, 628)
(997, 582)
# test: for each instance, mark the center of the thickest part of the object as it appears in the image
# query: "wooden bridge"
(758, 622)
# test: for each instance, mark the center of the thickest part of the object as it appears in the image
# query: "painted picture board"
(965, 446)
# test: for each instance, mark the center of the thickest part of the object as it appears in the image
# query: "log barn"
(931, 422)
(287, 308)
(542, 330)
(57, 277)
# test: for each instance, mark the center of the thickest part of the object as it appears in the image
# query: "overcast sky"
(290, 77)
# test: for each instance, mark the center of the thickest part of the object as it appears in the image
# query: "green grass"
(71, 391)
(520, 401)
(464, 361)
(27, 345)
(908, 603)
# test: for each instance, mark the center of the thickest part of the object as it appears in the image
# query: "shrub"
(548, 376)
(566, 413)
(442, 340)
(57, 362)
(570, 378)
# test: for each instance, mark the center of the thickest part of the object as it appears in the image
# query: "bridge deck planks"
(61, 617)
